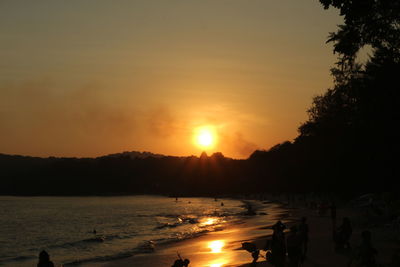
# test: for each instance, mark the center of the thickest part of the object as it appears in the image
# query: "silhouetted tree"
(356, 119)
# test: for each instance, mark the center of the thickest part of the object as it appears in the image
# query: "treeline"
(302, 166)
(122, 174)
(272, 171)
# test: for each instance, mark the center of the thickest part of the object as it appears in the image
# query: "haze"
(88, 78)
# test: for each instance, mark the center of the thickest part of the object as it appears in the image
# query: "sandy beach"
(228, 242)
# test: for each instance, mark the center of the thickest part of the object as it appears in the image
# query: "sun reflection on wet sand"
(216, 246)
(217, 263)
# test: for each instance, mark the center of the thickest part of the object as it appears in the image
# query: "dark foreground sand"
(320, 251)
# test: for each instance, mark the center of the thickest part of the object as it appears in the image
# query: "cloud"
(243, 146)
(161, 122)
(40, 116)
(236, 144)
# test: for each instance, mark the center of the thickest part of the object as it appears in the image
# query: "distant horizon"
(132, 151)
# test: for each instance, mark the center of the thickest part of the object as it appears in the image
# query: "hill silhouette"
(301, 166)
(123, 173)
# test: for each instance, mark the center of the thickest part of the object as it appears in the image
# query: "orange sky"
(88, 78)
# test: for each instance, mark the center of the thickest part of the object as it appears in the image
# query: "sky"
(93, 77)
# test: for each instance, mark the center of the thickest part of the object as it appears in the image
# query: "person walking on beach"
(342, 235)
(365, 254)
(294, 247)
(255, 254)
(303, 233)
(333, 214)
(44, 260)
(278, 246)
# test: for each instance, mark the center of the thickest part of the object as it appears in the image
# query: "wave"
(126, 236)
(215, 213)
(145, 247)
(93, 240)
(18, 259)
(180, 220)
(150, 246)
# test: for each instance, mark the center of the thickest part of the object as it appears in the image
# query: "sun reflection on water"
(218, 263)
(208, 221)
(216, 246)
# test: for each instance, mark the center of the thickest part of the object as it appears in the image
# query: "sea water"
(79, 230)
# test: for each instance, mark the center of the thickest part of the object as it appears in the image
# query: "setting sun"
(205, 137)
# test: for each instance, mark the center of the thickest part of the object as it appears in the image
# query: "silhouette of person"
(366, 252)
(278, 246)
(181, 263)
(294, 247)
(186, 262)
(303, 233)
(178, 263)
(333, 214)
(44, 260)
(343, 234)
(94, 231)
(255, 254)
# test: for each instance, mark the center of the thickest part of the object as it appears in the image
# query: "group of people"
(294, 246)
(364, 254)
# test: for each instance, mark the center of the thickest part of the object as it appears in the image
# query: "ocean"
(79, 230)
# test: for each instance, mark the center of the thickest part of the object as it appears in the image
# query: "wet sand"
(320, 250)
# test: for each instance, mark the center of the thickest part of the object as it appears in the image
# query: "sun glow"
(216, 246)
(218, 262)
(205, 137)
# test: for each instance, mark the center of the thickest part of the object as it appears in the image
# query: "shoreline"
(250, 228)
(321, 250)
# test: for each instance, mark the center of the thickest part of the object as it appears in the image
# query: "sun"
(205, 137)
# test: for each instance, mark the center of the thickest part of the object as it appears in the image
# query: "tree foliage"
(360, 92)
(355, 122)
(367, 22)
